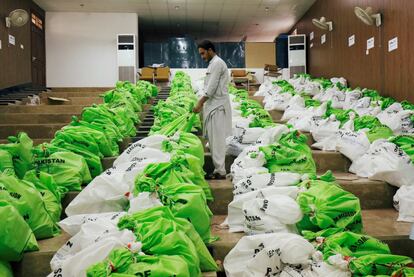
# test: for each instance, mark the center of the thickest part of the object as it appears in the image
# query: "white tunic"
(217, 111)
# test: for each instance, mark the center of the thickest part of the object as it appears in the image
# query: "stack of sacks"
(148, 213)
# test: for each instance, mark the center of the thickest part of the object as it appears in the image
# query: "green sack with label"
(69, 170)
(326, 205)
(28, 201)
(379, 132)
(183, 123)
(290, 154)
(6, 163)
(16, 235)
(118, 260)
(350, 244)
(378, 264)
(5, 269)
(49, 191)
(154, 222)
(20, 148)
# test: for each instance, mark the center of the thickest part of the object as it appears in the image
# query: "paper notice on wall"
(370, 43)
(393, 44)
(351, 40)
(311, 36)
(12, 40)
(323, 39)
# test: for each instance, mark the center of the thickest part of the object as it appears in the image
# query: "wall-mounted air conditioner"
(127, 57)
(297, 54)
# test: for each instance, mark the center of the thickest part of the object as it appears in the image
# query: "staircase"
(379, 216)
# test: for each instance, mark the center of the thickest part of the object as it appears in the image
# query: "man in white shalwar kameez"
(216, 107)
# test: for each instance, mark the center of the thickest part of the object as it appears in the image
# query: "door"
(38, 50)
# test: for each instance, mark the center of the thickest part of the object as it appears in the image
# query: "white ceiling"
(219, 20)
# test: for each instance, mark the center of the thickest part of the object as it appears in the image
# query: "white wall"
(81, 48)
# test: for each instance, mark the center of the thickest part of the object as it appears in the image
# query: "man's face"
(205, 54)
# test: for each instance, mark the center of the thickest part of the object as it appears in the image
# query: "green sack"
(6, 163)
(118, 260)
(404, 272)
(153, 228)
(180, 169)
(69, 170)
(185, 201)
(5, 269)
(290, 154)
(326, 205)
(49, 191)
(20, 148)
(350, 244)
(183, 123)
(16, 235)
(378, 264)
(379, 132)
(366, 121)
(406, 143)
(159, 266)
(28, 201)
(187, 143)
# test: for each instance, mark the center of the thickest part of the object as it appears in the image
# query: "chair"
(147, 74)
(162, 74)
(271, 71)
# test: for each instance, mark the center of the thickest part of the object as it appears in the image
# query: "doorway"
(38, 50)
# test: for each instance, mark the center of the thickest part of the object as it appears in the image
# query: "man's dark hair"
(206, 44)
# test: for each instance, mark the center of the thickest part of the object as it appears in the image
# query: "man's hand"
(197, 108)
(200, 104)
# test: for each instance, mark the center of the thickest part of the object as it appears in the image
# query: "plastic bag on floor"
(247, 135)
(305, 120)
(295, 108)
(72, 224)
(6, 163)
(234, 147)
(326, 205)
(278, 102)
(247, 172)
(267, 255)
(404, 203)
(387, 162)
(123, 261)
(49, 191)
(91, 245)
(110, 191)
(272, 214)
(143, 201)
(16, 235)
(235, 219)
(250, 157)
(154, 141)
(351, 97)
(28, 201)
(260, 181)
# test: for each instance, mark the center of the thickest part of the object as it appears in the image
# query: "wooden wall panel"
(387, 72)
(260, 53)
(15, 62)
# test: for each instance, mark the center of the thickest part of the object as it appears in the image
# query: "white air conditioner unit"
(297, 54)
(127, 57)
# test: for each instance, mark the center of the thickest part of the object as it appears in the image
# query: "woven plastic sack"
(16, 235)
(28, 201)
(378, 264)
(403, 201)
(326, 205)
(5, 269)
(6, 163)
(187, 143)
